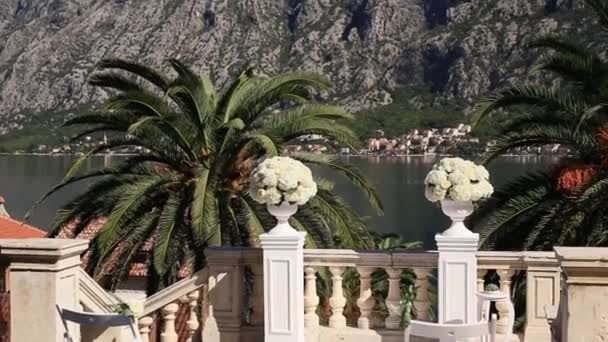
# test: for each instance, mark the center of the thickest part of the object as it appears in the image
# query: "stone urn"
(457, 211)
(282, 213)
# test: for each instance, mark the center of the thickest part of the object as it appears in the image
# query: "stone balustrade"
(225, 301)
(212, 303)
(542, 274)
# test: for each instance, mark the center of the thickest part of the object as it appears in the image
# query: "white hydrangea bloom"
(435, 194)
(436, 177)
(445, 184)
(280, 179)
(457, 179)
(461, 192)
(482, 172)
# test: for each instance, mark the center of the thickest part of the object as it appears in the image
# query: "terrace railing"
(225, 301)
(222, 302)
(163, 307)
(540, 269)
(93, 297)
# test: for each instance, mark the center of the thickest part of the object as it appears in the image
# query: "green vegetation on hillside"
(28, 140)
(410, 109)
(43, 128)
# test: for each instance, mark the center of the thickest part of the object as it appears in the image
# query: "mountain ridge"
(458, 50)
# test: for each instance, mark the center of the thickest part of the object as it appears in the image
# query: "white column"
(43, 275)
(283, 284)
(457, 275)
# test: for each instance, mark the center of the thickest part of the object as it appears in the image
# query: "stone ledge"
(42, 248)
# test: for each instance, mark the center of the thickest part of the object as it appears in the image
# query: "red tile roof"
(13, 229)
(138, 268)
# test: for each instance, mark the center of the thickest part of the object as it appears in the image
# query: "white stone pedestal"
(584, 304)
(283, 285)
(457, 277)
(44, 274)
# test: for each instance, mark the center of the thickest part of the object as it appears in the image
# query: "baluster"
(366, 300)
(337, 300)
(422, 303)
(505, 280)
(482, 306)
(144, 324)
(311, 299)
(257, 300)
(393, 300)
(504, 325)
(481, 273)
(203, 308)
(209, 328)
(169, 334)
(192, 323)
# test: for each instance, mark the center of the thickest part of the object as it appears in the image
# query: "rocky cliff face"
(459, 49)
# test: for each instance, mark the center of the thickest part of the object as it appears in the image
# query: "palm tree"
(565, 205)
(185, 187)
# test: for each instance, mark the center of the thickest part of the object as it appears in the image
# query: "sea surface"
(399, 181)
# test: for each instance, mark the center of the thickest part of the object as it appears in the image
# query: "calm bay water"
(399, 181)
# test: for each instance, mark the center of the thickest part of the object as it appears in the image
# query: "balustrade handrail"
(175, 292)
(425, 259)
(94, 297)
(370, 258)
(515, 260)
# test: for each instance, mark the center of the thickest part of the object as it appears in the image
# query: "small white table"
(484, 300)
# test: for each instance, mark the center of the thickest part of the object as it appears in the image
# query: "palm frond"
(135, 194)
(532, 94)
(544, 134)
(168, 225)
(136, 69)
(344, 222)
(250, 102)
(348, 171)
(588, 70)
(558, 43)
(495, 216)
(114, 80)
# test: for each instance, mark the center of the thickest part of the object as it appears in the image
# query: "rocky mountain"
(457, 49)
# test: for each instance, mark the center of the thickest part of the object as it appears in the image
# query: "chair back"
(99, 319)
(484, 331)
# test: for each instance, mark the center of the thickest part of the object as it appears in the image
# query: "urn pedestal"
(457, 269)
(283, 278)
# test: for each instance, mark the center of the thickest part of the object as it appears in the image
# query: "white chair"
(482, 331)
(99, 320)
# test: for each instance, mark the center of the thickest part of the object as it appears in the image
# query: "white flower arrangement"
(281, 179)
(458, 180)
